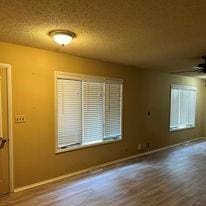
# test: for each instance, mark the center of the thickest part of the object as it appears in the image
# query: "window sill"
(78, 147)
(181, 128)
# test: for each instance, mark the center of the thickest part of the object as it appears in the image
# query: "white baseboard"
(98, 167)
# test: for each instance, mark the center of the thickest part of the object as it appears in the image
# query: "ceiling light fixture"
(62, 37)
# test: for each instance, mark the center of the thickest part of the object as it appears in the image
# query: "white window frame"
(75, 76)
(186, 87)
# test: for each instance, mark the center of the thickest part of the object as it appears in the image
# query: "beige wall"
(33, 95)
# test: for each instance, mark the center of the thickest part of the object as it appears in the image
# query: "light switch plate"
(20, 118)
(139, 147)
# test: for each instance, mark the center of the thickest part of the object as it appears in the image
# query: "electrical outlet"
(20, 118)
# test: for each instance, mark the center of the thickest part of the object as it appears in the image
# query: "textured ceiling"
(165, 35)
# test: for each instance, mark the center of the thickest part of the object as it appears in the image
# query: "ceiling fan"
(200, 68)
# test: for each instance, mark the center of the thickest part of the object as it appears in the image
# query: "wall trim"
(100, 166)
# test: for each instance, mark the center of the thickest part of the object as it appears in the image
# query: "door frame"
(10, 124)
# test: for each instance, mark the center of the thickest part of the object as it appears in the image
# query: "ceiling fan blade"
(196, 67)
(182, 72)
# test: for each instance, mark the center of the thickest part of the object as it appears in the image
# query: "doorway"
(6, 157)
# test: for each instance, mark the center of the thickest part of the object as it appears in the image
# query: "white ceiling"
(165, 35)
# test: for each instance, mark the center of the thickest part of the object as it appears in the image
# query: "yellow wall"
(33, 95)
(204, 112)
(155, 97)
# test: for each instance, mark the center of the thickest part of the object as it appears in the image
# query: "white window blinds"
(183, 104)
(112, 110)
(88, 111)
(69, 112)
(93, 111)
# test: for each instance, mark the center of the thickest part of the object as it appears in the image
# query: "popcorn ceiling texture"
(165, 35)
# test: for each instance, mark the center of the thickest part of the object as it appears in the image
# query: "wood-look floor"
(174, 177)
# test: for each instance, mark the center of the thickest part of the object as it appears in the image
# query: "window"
(182, 109)
(88, 110)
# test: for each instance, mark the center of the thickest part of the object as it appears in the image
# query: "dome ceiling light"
(62, 37)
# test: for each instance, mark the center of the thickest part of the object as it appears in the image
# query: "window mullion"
(104, 103)
(82, 105)
(121, 103)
